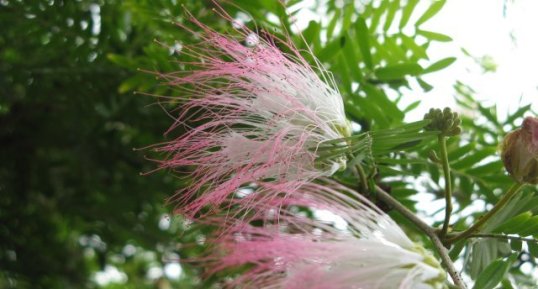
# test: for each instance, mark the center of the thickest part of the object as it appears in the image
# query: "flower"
(445, 121)
(369, 251)
(261, 116)
(520, 152)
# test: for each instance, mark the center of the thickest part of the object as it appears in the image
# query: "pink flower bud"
(520, 152)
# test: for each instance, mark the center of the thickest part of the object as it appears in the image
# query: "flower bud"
(520, 152)
(445, 121)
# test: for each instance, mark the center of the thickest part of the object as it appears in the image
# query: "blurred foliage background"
(74, 210)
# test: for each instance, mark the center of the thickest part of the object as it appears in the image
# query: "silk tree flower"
(369, 252)
(260, 114)
(520, 152)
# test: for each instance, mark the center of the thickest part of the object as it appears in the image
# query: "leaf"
(533, 249)
(129, 84)
(460, 151)
(516, 245)
(121, 60)
(311, 35)
(407, 11)
(530, 227)
(403, 193)
(470, 160)
(441, 64)
(419, 52)
(332, 24)
(412, 106)
(394, 6)
(466, 186)
(290, 3)
(377, 14)
(513, 225)
(352, 59)
(506, 284)
(489, 168)
(434, 173)
(519, 113)
(331, 49)
(353, 111)
(434, 36)
(456, 250)
(531, 205)
(395, 49)
(362, 34)
(398, 71)
(343, 66)
(425, 86)
(385, 145)
(380, 99)
(364, 108)
(348, 14)
(494, 273)
(432, 10)
(489, 113)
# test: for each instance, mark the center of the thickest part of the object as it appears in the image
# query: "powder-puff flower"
(369, 252)
(261, 116)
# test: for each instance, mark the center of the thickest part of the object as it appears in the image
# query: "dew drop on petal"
(237, 24)
(252, 40)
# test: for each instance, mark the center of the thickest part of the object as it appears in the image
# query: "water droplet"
(238, 24)
(252, 39)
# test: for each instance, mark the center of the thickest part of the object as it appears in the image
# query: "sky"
(506, 33)
(502, 30)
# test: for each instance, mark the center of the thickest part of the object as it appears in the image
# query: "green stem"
(363, 178)
(500, 204)
(448, 185)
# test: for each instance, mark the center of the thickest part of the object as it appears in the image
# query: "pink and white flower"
(369, 252)
(261, 116)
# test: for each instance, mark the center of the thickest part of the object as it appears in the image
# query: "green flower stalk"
(448, 124)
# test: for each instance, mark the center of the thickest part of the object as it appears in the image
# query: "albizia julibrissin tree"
(261, 135)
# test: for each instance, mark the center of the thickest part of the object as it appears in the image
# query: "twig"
(449, 265)
(476, 226)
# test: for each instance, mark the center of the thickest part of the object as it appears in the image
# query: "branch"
(500, 204)
(384, 196)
